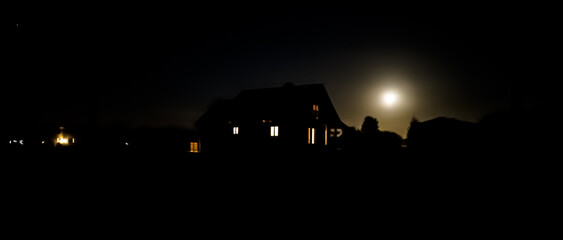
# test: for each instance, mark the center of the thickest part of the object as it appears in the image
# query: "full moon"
(389, 98)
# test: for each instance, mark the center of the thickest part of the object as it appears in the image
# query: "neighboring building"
(442, 133)
(288, 118)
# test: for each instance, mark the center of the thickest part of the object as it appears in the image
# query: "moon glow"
(389, 99)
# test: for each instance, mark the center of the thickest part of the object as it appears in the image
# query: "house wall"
(255, 136)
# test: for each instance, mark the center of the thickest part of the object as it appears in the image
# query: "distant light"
(42, 142)
(15, 141)
(72, 140)
(62, 140)
(126, 144)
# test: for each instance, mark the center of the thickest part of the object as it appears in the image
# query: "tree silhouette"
(372, 138)
(370, 127)
(413, 133)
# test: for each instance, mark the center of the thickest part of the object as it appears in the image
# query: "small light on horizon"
(62, 140)
(16, 142)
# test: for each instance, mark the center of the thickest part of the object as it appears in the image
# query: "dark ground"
(344, 195)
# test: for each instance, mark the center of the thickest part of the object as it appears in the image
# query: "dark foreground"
(270, 195)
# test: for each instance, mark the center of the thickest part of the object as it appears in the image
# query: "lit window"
(235, 130)
(274, 131)
(326, 135)
(336, 132)
(316, 111)
(194, 147)
(311, 135)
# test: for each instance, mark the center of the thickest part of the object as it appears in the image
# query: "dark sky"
(167, 66)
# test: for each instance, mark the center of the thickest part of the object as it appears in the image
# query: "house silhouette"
(442, 133)
(284, 119)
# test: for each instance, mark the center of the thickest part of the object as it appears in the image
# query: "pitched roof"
(288, 101)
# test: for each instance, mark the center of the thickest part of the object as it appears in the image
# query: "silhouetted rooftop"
(288, 101)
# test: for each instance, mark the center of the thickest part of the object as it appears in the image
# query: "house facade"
(288, 118)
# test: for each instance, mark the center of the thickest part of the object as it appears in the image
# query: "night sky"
(165, 67)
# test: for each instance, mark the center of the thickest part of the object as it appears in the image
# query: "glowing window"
(335, 132)
(311, 135)
(326, 135)
(274, 131)
(316, 111)
(338, 132)
(194, 147)
(235, 130)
